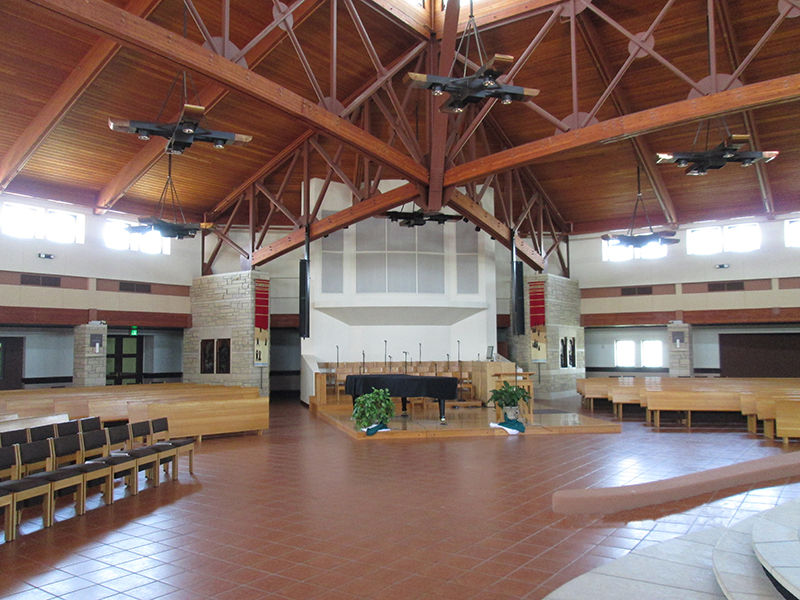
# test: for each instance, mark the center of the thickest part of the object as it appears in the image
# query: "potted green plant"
(373, 410)
(508, 398)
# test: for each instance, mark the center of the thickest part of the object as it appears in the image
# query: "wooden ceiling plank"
(210, 96)
(344, 218)
(732, 49)
(464, 206)
(410, 15)
(198, 20)
(755, 95)
(148, 37)
(47, 119)
(644, 154)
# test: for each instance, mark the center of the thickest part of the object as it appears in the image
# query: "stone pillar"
(89, 355)
(681, 363)
(562, 326)
(223, 308)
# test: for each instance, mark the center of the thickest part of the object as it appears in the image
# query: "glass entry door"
(124, 359)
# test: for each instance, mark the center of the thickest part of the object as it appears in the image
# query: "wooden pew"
(787, 418)
(690, 400)
(199, 418)
(28, 422)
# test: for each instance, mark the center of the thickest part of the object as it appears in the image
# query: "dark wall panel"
(759, 354)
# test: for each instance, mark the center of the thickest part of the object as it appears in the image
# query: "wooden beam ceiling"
(756, 95)
(119, 25)
(208, 97)
(463, 205)
(65, 97)
(342, 219)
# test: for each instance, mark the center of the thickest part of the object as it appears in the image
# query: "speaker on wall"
(305, 288)
(517, 299)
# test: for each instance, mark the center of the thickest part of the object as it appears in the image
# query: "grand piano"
(404, 387)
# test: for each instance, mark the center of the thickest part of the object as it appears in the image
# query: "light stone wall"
(89, 362)
(562, 319)
(681, 358)
(223, 306)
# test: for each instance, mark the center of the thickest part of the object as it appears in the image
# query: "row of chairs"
(40, 471)
(49, 430)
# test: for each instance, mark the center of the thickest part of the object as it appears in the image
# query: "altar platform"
(465, 421)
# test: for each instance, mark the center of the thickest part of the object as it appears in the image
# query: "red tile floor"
(306, 512)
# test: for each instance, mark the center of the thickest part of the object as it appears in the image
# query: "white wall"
(92, 258)
(600, 343)
(772, 260)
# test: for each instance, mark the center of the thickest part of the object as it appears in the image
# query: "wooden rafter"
(756, 95)
(209, 97)
(48, 118)
(644, 154)
(476, 214)
(344, 218)
(117, 24)
(750, 126)
(351, 106)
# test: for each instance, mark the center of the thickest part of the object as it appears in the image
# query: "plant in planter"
(373, 410)
(508, 398)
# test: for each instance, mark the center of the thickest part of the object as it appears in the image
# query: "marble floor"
(306, 512)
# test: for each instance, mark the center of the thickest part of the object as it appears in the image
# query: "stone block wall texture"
(562, 319)
(223, 306)
(681, 358)
(89, 366)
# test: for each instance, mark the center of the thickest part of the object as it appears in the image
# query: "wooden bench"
(199, 418)
(114, 403)
(28, 422)
(690, 400)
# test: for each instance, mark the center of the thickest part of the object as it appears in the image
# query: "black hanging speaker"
(517, 299)
(305, 287)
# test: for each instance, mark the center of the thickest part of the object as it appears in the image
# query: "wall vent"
(642, 290)
(726, 286)
(131, 286)
(40, 280)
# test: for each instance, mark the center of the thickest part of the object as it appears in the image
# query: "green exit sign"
(134, 330)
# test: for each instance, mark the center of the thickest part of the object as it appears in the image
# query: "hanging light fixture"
(642, 239)
(172, 229)
(469, 89)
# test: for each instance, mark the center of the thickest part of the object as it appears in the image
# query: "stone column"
(681, 363)
(562, 324)
(223, 307)
(89, 362)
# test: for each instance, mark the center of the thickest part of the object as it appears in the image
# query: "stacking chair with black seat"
(68, 427)
(15, 436)
(96, 448)
(122, 457)
(159, 429)
(67, 458)
(41, 432)
(94, 444)
(167, 454)
(26, 491)
(7, 504)
(8, 462)
(90, 424)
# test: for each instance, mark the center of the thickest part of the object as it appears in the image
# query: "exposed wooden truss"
(375, 133)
